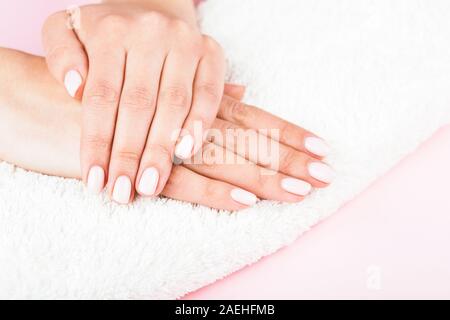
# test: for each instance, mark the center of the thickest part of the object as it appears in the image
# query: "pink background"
(391, 242)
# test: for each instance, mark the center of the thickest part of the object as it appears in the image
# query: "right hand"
(289, 176)
(143, 76)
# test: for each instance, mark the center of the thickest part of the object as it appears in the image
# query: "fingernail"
(243, 197)
(122, 190)
(296, 186)
(183, 149)
(72, 82)
(317, 146)
(321, 172)
(96, 180)
(149, 182)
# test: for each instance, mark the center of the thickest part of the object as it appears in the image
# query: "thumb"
(65, 55)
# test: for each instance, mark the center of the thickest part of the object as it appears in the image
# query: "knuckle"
(175, 96)
(224, 125)
(160, 152)
(60, 57)
(181, 27)
(102, 94)
(210, 156)
(289, 161)
(56, 54)
(174, 181)
(201, 122)
(184, 38)
(139, 99)
(153, 19)
(126, 159)
(263, 180)
(210, 91)
(210, 190)
(112, 23)
(238, 112)
(211, 45)
(287, 132)
(98, 143)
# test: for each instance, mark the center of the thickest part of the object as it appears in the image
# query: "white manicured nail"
(72, 82)
(317, 146)
(296, 186)
(183, 149)
(96, 180)
(149, 182)
(320, 171)
(243, 197)
(122, 190)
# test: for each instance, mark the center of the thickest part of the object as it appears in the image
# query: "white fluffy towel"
(371, 77)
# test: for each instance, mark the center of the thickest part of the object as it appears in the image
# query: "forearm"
(181, 9)
(33, 107)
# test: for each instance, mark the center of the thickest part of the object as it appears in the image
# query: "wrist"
(25, 80)
(32, 106)
(179, 9)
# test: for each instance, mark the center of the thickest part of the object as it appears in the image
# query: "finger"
(100, 102)
(136, 109)
(65, 55)
(207, 94)
(287, 133)
(235, 91)
(269, 153)
(174, 101)
(221, 164)
(208, 192)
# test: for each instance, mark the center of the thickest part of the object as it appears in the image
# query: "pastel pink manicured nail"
(72, 82)
(149, 182)
(122, 190)
(243, 197)
(96, 180)
(296, 186)
(184, 148)
(317, 146)
(320, 171)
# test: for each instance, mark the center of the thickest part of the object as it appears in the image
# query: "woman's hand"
(143, 75)
(40, 131)
(235, 168)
